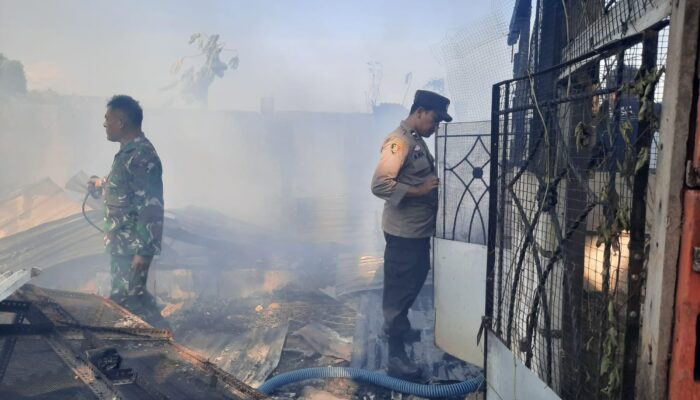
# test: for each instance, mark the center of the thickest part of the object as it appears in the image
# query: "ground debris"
(171, 308)
(311, 393)
(326, 341)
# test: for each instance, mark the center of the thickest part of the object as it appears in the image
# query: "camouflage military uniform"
(133, 196)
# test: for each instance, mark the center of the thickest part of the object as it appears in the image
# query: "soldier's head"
(123, 118)
(427, 111)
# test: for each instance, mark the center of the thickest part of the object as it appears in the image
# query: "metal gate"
(463, 158)
(567, 247)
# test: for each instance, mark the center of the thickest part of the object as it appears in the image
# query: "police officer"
(133, 213)
(406, 178)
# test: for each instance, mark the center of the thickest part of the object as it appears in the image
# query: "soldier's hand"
(94, 186)
(429, 184)
(94, 181)
(139, 263)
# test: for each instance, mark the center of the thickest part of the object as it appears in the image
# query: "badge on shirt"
(395, 147)
(417, 148)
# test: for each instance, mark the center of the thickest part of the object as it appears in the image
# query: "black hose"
(85, 215)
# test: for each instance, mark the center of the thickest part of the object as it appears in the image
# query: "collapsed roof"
(33, 205)
(42, 226)
(292, 325)
(66, 345)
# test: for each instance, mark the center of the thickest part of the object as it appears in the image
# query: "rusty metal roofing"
(66, 345)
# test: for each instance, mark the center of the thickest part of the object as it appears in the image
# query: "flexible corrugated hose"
(374, 378)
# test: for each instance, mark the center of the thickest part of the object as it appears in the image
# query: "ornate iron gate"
(463, 157)
(567, 242)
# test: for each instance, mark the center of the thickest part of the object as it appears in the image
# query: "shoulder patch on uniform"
(394, 146)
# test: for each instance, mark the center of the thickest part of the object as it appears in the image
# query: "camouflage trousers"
(126, 282)
(129, 291)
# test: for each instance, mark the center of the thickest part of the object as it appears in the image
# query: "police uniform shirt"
(404, 162)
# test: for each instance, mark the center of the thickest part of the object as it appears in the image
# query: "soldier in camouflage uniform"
(133, 197)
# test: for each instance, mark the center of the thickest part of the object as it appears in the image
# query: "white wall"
(507, 378)
(460, 293)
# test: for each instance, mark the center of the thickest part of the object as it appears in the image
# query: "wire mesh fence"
(574, 144)
(463, 157)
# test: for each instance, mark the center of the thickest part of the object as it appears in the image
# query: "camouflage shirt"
(133, 196)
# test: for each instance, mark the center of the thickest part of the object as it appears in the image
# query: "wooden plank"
(682, 378)
(617, 24)
(657, 311)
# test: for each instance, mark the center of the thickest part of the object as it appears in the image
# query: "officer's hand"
(140, 263)
(429, 184)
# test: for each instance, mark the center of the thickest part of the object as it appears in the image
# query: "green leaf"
(642, 158)
(580, 135)
(605, 366)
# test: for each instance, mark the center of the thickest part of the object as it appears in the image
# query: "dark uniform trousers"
(406, 265)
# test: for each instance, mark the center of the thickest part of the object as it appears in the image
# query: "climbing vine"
(616, 213)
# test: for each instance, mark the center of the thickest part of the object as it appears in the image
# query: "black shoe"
(144, 306)
(403, 369)
(118, 299)
(412, 336)
(156, 320)
(150, 312)
(400, 366)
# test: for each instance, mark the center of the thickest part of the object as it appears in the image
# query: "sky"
(309, 55)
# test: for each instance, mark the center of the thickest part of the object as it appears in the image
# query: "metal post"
(493, 213)
(638, 229)
(576, 361)
(444, 183)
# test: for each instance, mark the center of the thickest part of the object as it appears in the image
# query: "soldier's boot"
(400, 366)
(145, 306)
(119, 298)
(148, 300)
(155, 319)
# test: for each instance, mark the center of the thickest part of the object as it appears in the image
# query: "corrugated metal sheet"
(53, 363)
(33, 205)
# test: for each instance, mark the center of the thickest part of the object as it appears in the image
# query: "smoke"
(275, 156)
(301, 166)
(309, 56)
